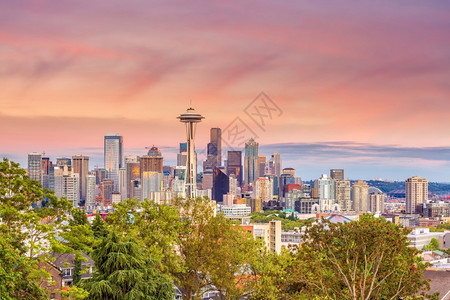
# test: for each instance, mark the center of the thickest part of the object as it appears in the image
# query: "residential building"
(263, 189)
(416, 193)
(343, 194)
(360, 194)
(324, 188)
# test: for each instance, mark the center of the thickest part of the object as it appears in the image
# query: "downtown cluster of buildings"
(244, 182)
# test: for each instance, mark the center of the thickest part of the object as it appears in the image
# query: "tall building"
(46, 164)
(80, 165)
(90, 191)
(251, 162)
(221, 184)
(113, 157)
(35, 166)
(71, 188)
(234, 165)
(276, 157)
(337, 174)
(263, 189)
(151, 183)
(133, 173)
(324, 188)
(214, 149)
(376, 202)
(343, 194)
(152, 162)
(416, 193)
(261, 165)
(190, 118)
(360, 196)
(182, 156)
(290, 171)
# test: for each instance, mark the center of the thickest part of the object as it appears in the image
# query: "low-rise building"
(420, 237)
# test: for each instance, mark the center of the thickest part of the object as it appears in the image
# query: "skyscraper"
(221, 185)
(276, 157)
(234, 165)
(416, 193)
(214, 150)
(152, 162)
(251, 162)
(113, 157)
(35, 166)
(46, 164)
(190, 118)
(80, 165)
(337, 174)
(360, 196)
(261, 165)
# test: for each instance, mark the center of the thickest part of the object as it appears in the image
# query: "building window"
(67, 272)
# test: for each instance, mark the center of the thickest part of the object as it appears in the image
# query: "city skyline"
(362, 86)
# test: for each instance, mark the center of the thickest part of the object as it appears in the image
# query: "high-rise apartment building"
(34, 169)
(343, 194)
(324, 188)
(416, 193)
(360, 196)
(113, 157)
(337, 174)
(90, 191)
(234, 165)
(71, 188)
(251, 162)
(263, 189)
(80, 165)
(376, 202)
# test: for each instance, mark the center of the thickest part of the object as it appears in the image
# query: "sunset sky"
(361, 85)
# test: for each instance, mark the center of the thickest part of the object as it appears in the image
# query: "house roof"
(440, 282)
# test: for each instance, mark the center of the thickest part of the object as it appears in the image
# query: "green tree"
(29, 230)
(365, 259)
(213, 252)
(433, 245)
(123, 271)
(99, 227)
(17, 272)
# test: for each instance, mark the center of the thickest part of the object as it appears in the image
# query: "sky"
(359, 85)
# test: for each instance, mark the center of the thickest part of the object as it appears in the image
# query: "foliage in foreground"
(365, 259)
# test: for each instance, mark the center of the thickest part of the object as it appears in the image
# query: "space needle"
(190, 118)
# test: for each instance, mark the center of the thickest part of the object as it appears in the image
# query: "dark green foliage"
(99, 227)
(123, 271)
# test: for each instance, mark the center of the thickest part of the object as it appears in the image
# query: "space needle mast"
(190, 118)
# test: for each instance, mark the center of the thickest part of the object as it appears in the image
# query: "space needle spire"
(190, 118)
